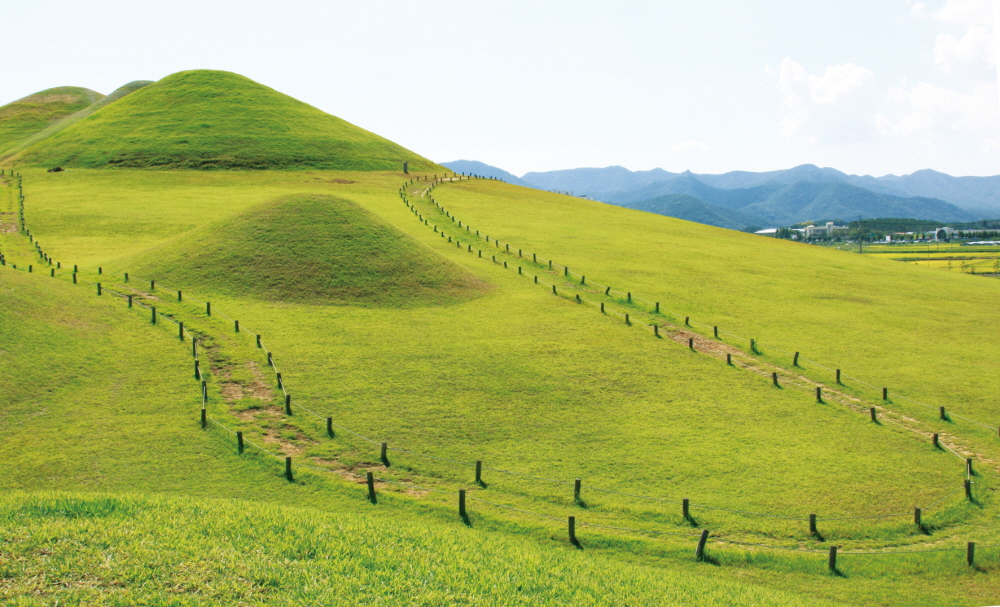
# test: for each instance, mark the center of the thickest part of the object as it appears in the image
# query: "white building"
(828, 230)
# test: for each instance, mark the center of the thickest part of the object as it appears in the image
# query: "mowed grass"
(540, 385)
(122, 549)
(206, 119)
(97, 400)
(120, 415)
(316, 249)
(918, 332)
(526, 381)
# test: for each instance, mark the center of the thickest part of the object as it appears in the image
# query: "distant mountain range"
(770, 199)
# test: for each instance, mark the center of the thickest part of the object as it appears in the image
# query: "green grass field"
(516, 367)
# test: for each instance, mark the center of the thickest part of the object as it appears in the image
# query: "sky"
(866, 87)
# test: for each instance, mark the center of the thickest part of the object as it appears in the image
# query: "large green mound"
(25, 117)
(217, 120)
(309, 249)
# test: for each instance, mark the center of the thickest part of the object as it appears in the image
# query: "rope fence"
(630, 298)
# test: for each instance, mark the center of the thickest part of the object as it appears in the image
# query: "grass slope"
(25, 117)
(217, 120)
(917, 331)
(316, 249)
(94, 399)
(117, 550)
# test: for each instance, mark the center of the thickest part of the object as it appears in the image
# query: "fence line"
(631, 298)
(243, 329)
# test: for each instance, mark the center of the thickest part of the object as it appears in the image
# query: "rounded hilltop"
(29, 115)
(206, 119)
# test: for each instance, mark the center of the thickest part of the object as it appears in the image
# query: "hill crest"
(206, 119)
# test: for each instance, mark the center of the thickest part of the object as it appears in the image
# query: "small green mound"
(217, 120)
(25, 117)
(309, 249)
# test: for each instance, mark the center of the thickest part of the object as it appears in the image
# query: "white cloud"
(974, 49)
(814, 104)
(690, 146)
(927, 107)
(971, 47)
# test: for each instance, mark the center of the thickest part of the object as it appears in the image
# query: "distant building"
(828, 230)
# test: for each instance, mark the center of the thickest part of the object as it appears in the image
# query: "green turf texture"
(207, 119)
(118, 550)
(32, 114)
(316, 249)
(548, 386)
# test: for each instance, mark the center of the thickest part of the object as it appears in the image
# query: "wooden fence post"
(838, 376)
(576, 489)
(795, 360)
(970, 554)
(479, 472)
(208, 308)
(832, 562)
(874, 415)
(129, 299)
(239, 442)
(885, 393)
(774, 379)
(572, 531)
(937, 442)
(461, 504)
(179, 296)
(812, 524)
(288, 469)
(371, 489)
(686, 509)
(180, 331)
(819, 394)
(944, 415)
(154, 316)
(329, 426)
(699, 553)
(236, 326)
(288, 404)
(917, 517)
(384, 456)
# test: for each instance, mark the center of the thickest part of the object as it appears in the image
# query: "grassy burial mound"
(218, 120)
(32, 114)
(305, 248)
(67, 120)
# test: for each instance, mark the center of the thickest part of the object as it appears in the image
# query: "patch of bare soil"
(288, 448)
(258, 388)
(257, 412)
